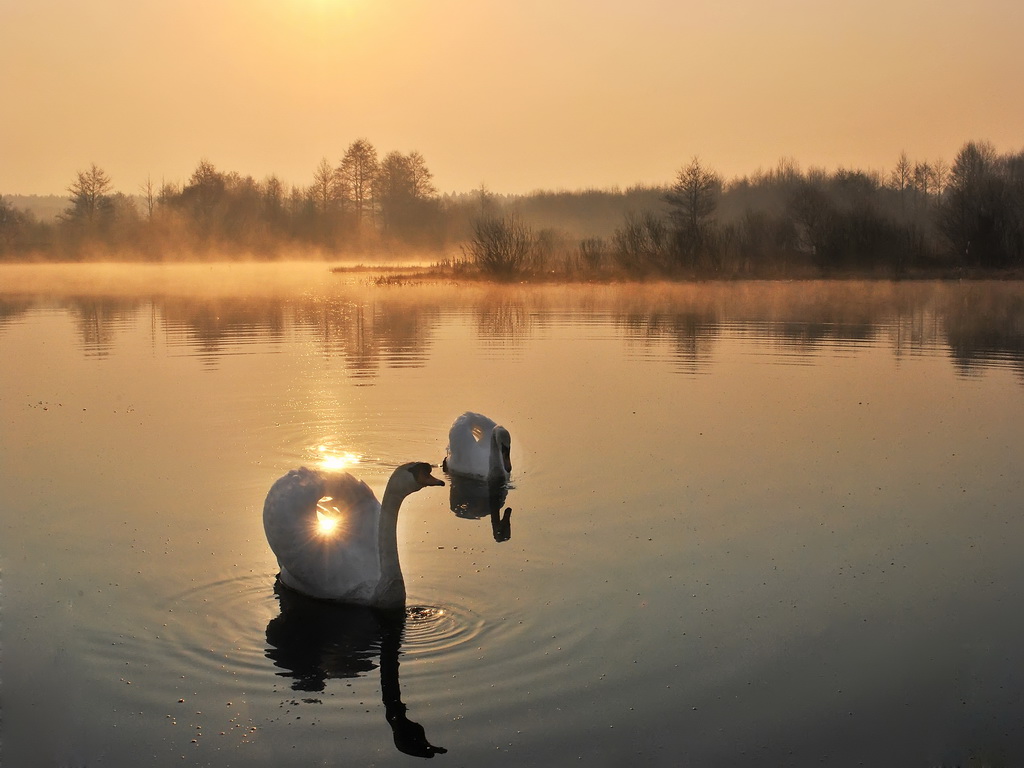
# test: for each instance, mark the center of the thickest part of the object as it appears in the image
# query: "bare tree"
(324, 190)
(203, 194)
(900, 175)
(923, 178)
(421, 176)
(940, 175)
(356, 177)
(694, 199)
(979, 215)
(90, 196)
(149, 195)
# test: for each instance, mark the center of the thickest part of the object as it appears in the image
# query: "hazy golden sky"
(517, 94)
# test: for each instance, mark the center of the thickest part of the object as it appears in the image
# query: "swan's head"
(413, 476)
(503, 442)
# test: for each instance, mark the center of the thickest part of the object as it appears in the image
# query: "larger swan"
(479, 448)
(334, 540)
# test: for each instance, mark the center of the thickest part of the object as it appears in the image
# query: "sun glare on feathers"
(328, 517)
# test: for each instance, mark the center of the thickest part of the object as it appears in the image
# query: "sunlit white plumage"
(356, 560)
(479, 448)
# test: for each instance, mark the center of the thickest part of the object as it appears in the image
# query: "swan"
(334, 540)
(477, 447)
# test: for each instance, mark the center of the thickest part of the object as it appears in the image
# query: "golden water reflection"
(978, 324)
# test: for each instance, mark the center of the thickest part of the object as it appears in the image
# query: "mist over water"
(753, 523)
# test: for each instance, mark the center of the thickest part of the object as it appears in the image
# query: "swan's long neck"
(496, 465)
(391, 587)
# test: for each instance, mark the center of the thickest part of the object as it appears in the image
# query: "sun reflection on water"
(334, 460)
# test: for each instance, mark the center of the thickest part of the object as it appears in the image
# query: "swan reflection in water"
(313, 640)
(475, 499)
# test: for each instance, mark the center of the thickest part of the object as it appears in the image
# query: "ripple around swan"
(219, 627)
(213, 637)
(431, 630)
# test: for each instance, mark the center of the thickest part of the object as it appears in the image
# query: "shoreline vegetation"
(921, 220)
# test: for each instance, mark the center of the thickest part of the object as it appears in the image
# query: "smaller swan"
(334, 540)
(479, 448)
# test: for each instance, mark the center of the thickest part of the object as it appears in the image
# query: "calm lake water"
(753, 523)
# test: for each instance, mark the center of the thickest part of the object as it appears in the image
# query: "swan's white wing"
(469, 445)
(341, 564)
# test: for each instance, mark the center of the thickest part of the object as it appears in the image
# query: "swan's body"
(479, 448)
(355, 562)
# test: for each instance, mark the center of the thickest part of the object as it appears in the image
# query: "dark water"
(753, 524)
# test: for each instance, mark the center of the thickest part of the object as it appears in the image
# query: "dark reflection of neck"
(313, 641)
(476, 499)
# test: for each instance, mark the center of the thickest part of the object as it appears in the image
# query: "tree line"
(360, 204)
(921, 217)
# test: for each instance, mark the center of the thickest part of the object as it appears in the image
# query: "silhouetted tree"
(324, 189)
(693, 199)
(148, 195)
(356, 176)
(977, 213)
(202, 195)
(900, 179)
(404, 192)
(90, 198)
(274, 211)
(812, 212)
(14, 228)
(422, 177)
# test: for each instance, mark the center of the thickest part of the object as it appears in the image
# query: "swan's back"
(341, 565)
(469, 445)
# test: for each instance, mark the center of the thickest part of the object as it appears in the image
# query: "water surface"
(752, 523)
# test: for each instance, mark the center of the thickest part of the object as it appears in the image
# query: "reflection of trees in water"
(97, 321)
(805, 338)
(367, 335)
(371, 334)
(211, 326)
(402, 331)
(984, 324)
(913, 328)
(504, 319)
(981, 322)
(692, 335)
(12, 308)
(343, 328)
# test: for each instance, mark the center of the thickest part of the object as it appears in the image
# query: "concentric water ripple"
(431, 630)
(220, 627)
